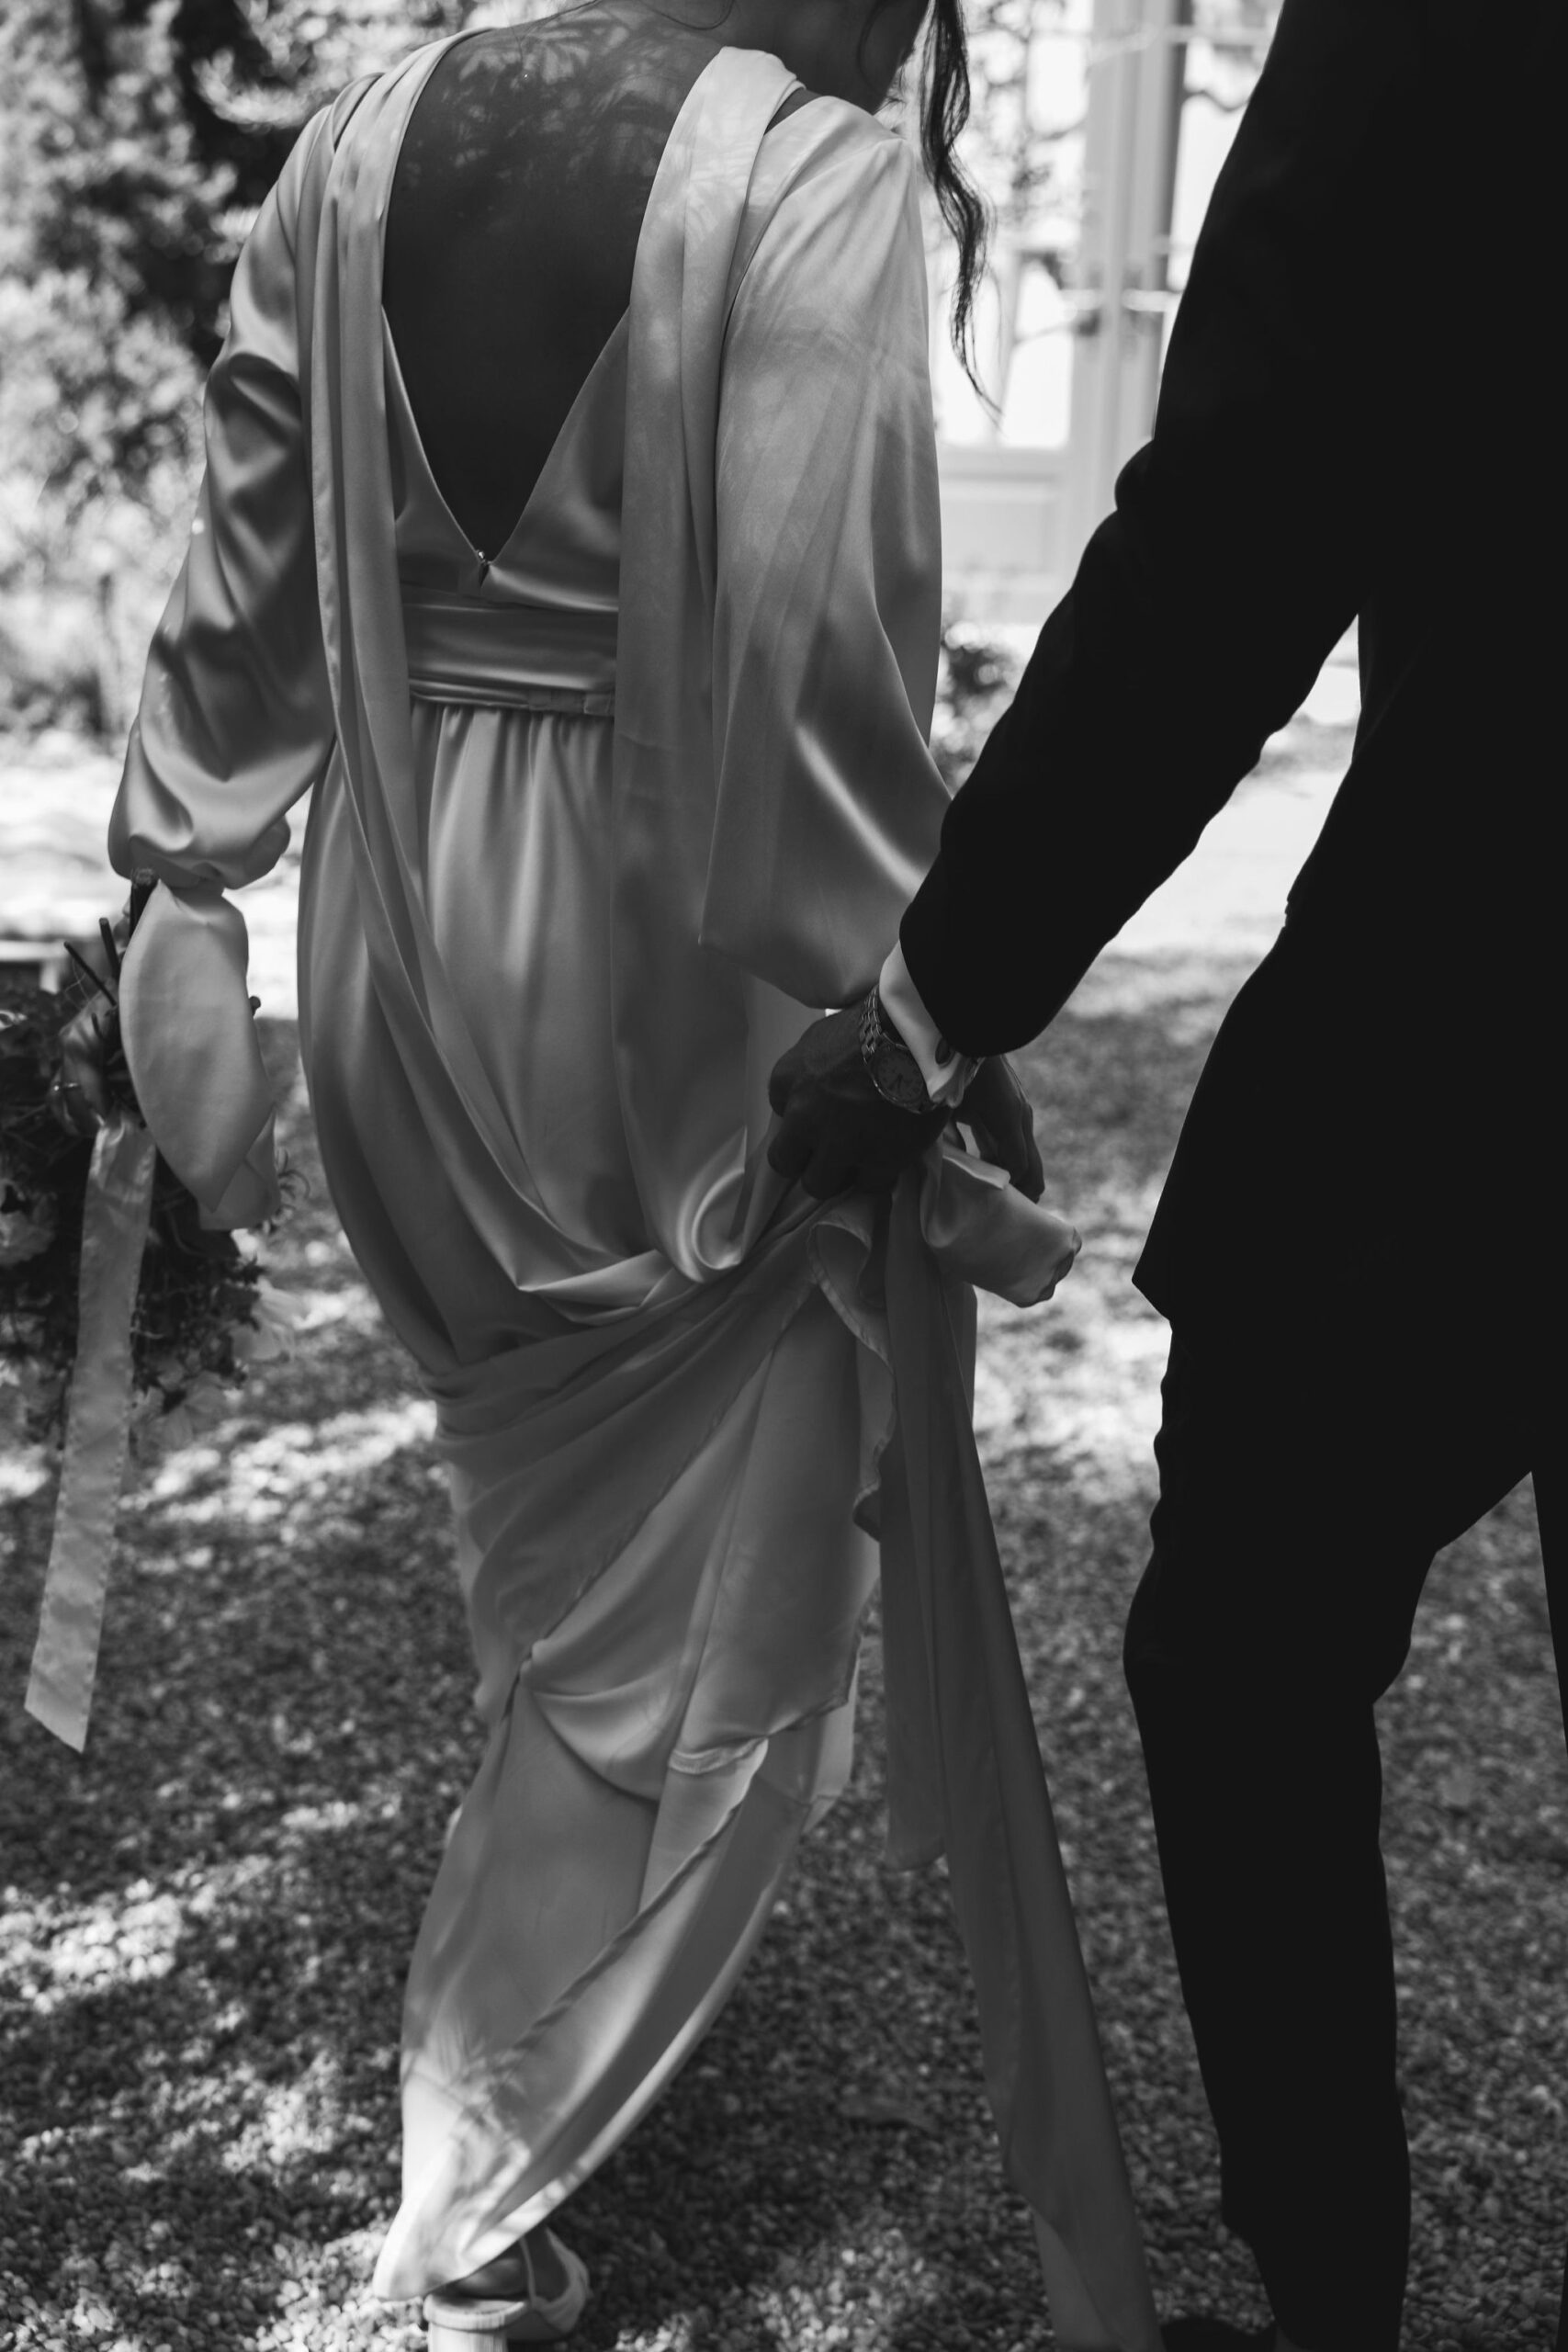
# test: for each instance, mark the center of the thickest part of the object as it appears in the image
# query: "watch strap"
(892, 1068)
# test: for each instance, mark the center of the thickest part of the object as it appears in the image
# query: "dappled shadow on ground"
(1112, 1081)
(207, 1918)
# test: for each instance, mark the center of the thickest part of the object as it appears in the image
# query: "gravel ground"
(205, 1920)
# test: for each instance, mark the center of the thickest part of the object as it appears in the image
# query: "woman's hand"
(92, 1080)
(81, 1096)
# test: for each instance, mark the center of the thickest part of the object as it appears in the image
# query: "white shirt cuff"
(946, 1073)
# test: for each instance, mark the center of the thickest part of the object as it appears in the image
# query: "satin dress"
(599, 825)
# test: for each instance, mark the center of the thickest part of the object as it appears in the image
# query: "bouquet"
(121, 1309)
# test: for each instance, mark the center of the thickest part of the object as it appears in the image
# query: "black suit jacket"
(1358, 415)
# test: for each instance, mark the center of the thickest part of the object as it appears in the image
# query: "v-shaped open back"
(522, 178)
(564, 548)
(524, 615)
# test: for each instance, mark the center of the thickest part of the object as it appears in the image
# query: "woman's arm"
(828, 578)
(235, 723)
(235, 719)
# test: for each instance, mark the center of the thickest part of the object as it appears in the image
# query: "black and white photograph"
(783, 1538)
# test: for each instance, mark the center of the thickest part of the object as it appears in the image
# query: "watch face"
(899, 1075)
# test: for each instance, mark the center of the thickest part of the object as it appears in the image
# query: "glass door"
(1098, 129)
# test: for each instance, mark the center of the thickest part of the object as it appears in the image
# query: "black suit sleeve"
(1205, 605)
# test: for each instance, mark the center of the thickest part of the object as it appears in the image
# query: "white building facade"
(1099, 128)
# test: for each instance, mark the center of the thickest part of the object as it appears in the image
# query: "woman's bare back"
(511, 236)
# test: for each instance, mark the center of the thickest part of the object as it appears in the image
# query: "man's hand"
(836, 1133)
(996, 1109)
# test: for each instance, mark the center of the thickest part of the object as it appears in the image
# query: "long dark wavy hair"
(945, 110)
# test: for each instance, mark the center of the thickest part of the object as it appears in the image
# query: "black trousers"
(1302, 1500)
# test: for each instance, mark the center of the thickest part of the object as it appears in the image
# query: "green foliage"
(978, 674)
(141, 135)
(197, 1294)
(115, 256)
(1012, 144)
(137, 139)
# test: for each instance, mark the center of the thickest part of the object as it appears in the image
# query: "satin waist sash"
(519, 657)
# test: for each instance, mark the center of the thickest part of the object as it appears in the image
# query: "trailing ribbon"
(965, 1778)
(114, 1234)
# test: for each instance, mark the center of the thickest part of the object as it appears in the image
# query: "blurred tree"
(1013, 141)
(137, 139)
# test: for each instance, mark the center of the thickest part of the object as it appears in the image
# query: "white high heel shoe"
(489, 2323)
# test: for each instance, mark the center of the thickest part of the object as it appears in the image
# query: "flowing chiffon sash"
(965, 1780)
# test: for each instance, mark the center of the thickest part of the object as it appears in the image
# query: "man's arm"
(1205, 605)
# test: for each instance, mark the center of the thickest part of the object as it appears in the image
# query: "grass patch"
(206, 1920)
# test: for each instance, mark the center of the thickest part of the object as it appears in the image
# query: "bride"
(570, 525)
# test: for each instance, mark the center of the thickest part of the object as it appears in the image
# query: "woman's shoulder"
(807, 121)
(324, 130)
(339, 112)
(334, 124)
(321, 132)
(814, 139)
(829, 165)
(830, 186)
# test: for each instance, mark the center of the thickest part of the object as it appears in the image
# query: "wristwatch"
(895, 1072)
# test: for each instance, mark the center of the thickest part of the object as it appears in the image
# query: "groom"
(1358, 1247)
